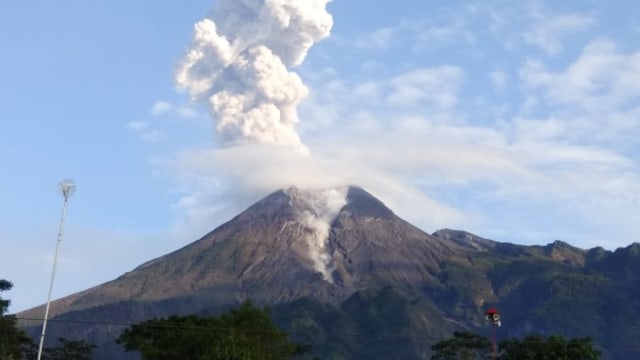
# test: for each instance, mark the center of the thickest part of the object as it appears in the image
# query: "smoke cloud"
(322, 207)
(239, 62)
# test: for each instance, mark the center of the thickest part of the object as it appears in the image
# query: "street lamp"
(67, 188)
(492, 315)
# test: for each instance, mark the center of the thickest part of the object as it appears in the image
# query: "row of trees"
(470, 346)
(248, 333)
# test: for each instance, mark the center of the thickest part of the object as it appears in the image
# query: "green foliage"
(469, 346)
(324, 325)
(464, 284)
(463, 346)
(555, 347)
(12, 339)
(245, 333)
(4, 304)
(69, 350)
(575, 302)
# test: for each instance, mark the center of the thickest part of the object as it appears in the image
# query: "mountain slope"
(341, 271)
(265, 253)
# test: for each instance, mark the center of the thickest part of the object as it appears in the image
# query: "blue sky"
(517, 121)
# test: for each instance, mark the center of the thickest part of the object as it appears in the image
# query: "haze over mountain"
(341, 271)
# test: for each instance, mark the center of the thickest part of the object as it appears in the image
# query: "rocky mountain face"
(342, 272)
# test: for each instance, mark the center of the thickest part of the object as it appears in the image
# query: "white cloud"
(427, 35)
(596, 97)
(433, 91)
(161, 108)
(420, 34)
(158, 130)
(435, 86)
(138, 125)
(600, 76)
(146, 133)
(549, 30)
(379, 39)
(524, 24)
(526, 158)
(255, 171)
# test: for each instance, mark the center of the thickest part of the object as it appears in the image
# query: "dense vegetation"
(11, 338)
(469, 346)
(245, 333)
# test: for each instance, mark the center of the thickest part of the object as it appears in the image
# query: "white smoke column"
(323, 207)
(239, 61)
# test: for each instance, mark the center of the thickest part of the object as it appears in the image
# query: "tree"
(69, 350)
(463, 346)
(245, 333)
(12, 339)
(535, 347)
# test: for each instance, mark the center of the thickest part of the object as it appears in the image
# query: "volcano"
(342, 272)
(292, 244)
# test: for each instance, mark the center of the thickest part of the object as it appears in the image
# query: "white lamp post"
(67, 188)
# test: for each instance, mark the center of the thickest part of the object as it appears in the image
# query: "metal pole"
(495, 348)
(53, 274)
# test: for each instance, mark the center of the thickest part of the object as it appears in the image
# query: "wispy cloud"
(527, 24)
(162, 107)
(420, 34)
(379, 39)
(146, 133)
(137, 125)
(435, 87)
(597, 93)
(159, 125)
(548, 30)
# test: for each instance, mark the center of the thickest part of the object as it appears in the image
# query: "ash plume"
(239, 62)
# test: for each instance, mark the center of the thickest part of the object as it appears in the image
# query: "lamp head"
(67, 188)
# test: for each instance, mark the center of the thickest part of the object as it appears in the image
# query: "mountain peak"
(325, 203)
(360, 202)
(325, 243)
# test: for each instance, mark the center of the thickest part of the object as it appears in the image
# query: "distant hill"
(342, 272)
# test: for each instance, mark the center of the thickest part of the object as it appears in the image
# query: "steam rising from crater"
(318, 209)
(239, 62)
